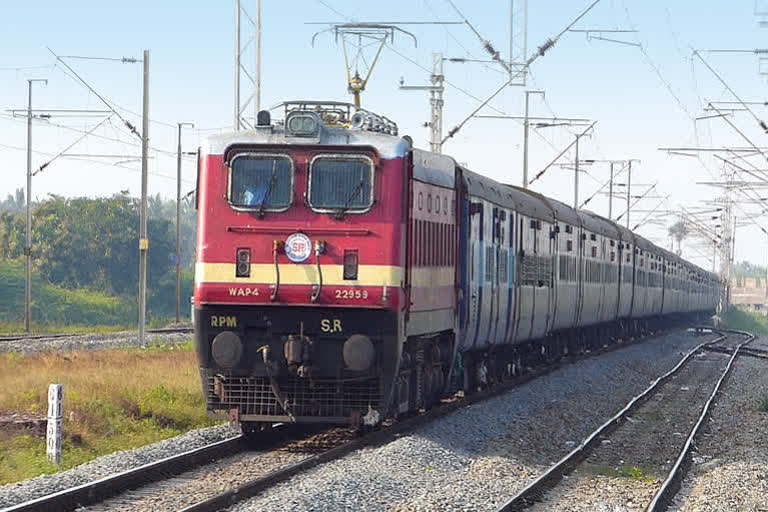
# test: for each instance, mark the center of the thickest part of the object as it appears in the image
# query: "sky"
(644, 95)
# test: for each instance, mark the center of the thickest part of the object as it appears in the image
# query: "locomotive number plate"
(351, 293)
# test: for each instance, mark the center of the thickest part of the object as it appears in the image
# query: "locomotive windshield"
(341, 183)
(261, 181)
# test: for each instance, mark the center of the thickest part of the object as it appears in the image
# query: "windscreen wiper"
(269, 188)
(341, 211)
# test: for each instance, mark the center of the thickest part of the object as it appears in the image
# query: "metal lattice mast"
(242, 73)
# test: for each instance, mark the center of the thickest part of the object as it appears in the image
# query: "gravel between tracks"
(629, 465)
(199, 484)
(25, 490)
(92, 341)
(479, 456)
(730, 466)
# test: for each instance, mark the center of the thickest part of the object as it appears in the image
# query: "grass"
(37, 328)
(114, 399)
(625, 471)
(762, 403)
(742, 320)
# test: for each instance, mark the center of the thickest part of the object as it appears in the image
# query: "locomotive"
(344, 276)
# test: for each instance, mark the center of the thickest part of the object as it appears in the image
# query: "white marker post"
(55, 415)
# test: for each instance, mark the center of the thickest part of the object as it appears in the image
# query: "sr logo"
(327, 325)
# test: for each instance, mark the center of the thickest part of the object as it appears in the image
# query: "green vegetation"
(747, 269)
(54, 305)
(742, 320)
(113, 400)
(85, 260)
(762, 404)
(625, 471)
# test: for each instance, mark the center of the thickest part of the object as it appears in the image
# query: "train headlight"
(302, 124)
(227, 349)
(358, 352)
(243, 262)
(350, 264)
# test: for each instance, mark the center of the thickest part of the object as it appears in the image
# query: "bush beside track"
(742, 320)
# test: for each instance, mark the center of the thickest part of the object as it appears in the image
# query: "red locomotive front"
(300, 274)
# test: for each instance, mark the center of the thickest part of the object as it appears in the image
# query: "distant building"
(750, 292)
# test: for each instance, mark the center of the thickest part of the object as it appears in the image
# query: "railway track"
(47, 337)
(565, 484)
(256, 471)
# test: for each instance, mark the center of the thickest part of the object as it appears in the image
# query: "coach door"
(501, 297)
(475, 270)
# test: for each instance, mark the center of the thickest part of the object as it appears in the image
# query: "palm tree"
(678, 231)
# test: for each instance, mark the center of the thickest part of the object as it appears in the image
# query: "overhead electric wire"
(97, 162)
(760, 122)
(607, 183)
(549, 43)
(112, 104)
(447, 82)
(495, 55)
(87, 85)
(77, 141)
(46, 122)
(334, 10)
(639, 198)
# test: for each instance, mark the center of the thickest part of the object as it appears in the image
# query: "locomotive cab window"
(261, 181)
(341, 183)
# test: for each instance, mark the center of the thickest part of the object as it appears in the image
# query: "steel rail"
(42, 337)
(533, 491)
(100, 490)
(671, 484)
(107, 487)
(390, 433)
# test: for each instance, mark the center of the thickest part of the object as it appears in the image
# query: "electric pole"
(610, 195)
(526, 125)
(436, 89)
(178, 219)
(576, 178)
(629, 187)
(28, 234)
(143, 237)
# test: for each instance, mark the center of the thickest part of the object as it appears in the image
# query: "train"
(343, 276)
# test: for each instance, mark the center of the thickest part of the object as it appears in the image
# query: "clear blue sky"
(642, 99)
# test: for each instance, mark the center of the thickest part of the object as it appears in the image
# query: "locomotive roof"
(388, 146)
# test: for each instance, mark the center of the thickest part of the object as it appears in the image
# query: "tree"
(679, 231)
(14, 203)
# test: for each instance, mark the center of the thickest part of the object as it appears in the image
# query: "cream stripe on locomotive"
(368, 275)
(291, 274)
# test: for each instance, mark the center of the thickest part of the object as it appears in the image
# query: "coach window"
(421, 200)
(261, 181)
(341, 183)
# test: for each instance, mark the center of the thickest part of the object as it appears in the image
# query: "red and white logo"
(298, 247)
